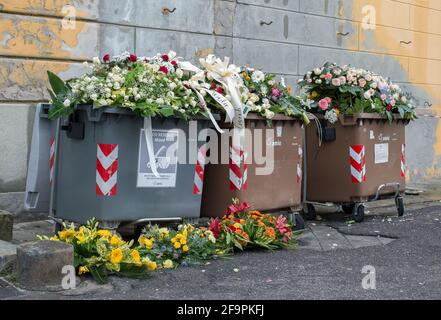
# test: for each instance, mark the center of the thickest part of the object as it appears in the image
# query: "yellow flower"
(183, 241)
(151, 265)
(177, 245)
(83, 270)
(116, 256)
(289, 88)
(80, 237)
(148, 243)
(136, 256)
(104, 233)
(185, 248)
(314, 94)
(115, 241)
(168, 264)
(66, 234)
(54, 238)
(238, 226)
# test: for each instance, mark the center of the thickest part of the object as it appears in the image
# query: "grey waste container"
(104, 169)
(41, 161)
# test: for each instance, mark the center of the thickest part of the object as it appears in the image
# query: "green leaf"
(58, 85)
(99, 274)
(167, 111)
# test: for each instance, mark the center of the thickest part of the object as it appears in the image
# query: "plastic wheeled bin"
(361, 159)
(104, 167)
(279, 190)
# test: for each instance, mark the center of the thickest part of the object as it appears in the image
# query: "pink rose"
(383, 97)
(336, 82)
(362, 83)
(328, 76)
(324, 104)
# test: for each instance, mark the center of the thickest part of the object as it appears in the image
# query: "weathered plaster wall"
(286, 37)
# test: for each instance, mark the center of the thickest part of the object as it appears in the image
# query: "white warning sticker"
(165, 146)
(381, 153)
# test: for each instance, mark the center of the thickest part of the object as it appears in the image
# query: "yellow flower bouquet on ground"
(101, 252)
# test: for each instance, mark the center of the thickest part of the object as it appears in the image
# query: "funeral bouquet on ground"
(243, 227)
(147, 86)
(102, 253)
(333, 90)
(169, 248)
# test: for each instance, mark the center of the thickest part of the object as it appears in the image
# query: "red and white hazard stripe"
(198, 183)
(245, 171)
(358, 163)
(403, 160)
(236, 175)
(51, 160)
(299, 166)
(106, 169)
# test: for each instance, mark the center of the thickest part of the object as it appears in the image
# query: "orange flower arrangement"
(242, 227)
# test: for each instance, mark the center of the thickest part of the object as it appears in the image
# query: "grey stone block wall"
(286, 37)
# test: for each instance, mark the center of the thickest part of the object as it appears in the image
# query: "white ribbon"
(148, 134)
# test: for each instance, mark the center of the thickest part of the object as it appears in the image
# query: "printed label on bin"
(381, 153)
(165, 146)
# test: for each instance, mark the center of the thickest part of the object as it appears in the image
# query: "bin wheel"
(299, 221)
(399, 202)
(310, 213)
(358, 212)
(347, 208)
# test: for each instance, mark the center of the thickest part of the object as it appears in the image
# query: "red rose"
(165, 57)
(106, 58)
(220, 90)
(174, 63)
(213, 85)
(389, 107)
(133, 58)
(163, 69)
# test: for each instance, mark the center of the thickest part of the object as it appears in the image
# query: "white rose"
(403, 99)
(269, 114)
(317, 71)
(94, 97)
(66, 103)
(96, 60)
(179, 73)
(367, 95)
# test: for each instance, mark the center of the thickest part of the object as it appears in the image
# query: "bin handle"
(348, 120)
(395, 185)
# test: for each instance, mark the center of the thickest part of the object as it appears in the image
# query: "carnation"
(258, 76)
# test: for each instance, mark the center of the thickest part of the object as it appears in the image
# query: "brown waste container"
(279, 190)
(362, 158)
